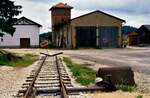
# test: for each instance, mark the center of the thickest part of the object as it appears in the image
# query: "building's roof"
(25, 21)
(143, 28)
(147, 27)
(61, 5)
(98, 11)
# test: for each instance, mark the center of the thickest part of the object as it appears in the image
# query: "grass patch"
(139, 96)
(125, 88)
(81, 72)
(11, 59)
(25, 61)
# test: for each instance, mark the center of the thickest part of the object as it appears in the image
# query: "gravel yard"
(142, 80)
(117, 94)
(11, 79)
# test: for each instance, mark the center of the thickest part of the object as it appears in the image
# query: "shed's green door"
(108, 37)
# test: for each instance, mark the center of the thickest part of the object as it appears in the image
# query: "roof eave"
(102, 13)
(60, 8)
(35, 23)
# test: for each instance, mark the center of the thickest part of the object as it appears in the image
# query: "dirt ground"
(117, 94)
(138, 58)
(11, 79)
(142, 80)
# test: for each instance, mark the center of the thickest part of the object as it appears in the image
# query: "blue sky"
(135, 12)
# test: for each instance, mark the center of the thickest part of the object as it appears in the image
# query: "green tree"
(8, 10)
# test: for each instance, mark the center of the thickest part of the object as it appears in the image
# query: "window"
(1, 39)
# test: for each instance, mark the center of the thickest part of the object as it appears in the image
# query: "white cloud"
(38, 12)
(131, 19)
(135, 12)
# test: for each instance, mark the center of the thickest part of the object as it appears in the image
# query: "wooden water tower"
(60, 13)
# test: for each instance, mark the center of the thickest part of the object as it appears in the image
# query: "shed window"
(1, 39)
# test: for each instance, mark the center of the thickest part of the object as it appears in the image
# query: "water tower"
(60, 13)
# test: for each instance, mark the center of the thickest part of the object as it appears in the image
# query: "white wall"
(22, 31)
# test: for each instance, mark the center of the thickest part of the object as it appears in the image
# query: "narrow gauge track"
(50, 80)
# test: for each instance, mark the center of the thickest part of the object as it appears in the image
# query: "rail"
(64, 90)
(62, 87)
(30, 88)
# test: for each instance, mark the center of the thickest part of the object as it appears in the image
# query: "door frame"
(28, 42)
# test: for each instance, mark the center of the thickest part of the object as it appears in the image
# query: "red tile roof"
(61, 5)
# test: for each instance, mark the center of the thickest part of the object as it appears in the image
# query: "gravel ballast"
(11, 79)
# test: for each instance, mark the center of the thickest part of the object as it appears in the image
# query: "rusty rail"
(62, 87)
(52, 55)
(30, 88)
(63, 90)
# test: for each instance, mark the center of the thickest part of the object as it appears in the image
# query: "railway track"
(50, 80)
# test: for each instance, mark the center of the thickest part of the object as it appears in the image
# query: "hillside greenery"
(128, 29)
(45, 36)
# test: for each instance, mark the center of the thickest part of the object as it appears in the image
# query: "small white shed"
(25, 36)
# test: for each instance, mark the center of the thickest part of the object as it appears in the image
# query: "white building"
(25, 36)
